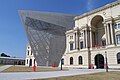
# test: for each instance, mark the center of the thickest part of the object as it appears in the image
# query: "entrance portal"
(99, 61)
(30, 64)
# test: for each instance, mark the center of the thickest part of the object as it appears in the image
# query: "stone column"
(84, 41)
(112, 34)
(77, 40)
(91, 44)
(106, 34)
(86, 35)
(67, 43)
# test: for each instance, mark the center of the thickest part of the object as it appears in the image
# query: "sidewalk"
(4, 67)
(41, 75)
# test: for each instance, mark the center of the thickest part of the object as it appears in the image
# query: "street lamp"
(106, 61)
(62, 61)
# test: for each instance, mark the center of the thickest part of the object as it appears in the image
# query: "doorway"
(99, 61)
(30, 64)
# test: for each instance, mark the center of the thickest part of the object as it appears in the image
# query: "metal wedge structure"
(46, 34)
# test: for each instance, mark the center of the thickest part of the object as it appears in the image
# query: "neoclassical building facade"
(30, 59)
(95, 37)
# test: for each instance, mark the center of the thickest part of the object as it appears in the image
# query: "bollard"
(104, 66)
(92, 66)
(53, 65)
(34, 68)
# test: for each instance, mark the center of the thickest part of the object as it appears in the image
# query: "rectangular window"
(118, 39)
(81, 34)
(31, 52)
(27, 61)
(28, 52)
(103, 42)
(71, 46)
(81, 45)
(71, 37)
(115, 26)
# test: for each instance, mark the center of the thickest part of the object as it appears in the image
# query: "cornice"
(98, 10)
(70, 31)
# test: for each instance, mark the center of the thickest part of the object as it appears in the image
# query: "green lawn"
(28, 69)
(1, 64)
(96, 76)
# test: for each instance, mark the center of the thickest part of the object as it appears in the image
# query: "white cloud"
(90, 5)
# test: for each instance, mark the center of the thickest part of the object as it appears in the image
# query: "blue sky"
(13, 39)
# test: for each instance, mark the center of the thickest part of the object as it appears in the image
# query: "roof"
(18, 58)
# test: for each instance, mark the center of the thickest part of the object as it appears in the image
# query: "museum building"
(92, 39)
(95, 38)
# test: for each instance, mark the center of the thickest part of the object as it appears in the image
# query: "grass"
(95, 76)
(28, 69)
(1, 64)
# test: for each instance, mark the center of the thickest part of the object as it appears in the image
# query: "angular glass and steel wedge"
(46, 34)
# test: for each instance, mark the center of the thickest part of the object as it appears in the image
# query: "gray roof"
(18, 58)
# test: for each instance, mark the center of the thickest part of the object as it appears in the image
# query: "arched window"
(118, 58)
(71, 60)
(80, 61)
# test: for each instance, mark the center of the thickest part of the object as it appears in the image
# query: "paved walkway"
(41, 75)
(4, 67)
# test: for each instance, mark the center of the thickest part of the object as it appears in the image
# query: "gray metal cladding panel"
(60, 19)
(46, 35)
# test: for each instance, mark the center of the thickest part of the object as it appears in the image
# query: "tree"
(4, 55)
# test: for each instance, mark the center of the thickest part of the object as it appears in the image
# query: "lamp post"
(61, 63)
(106, 61)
